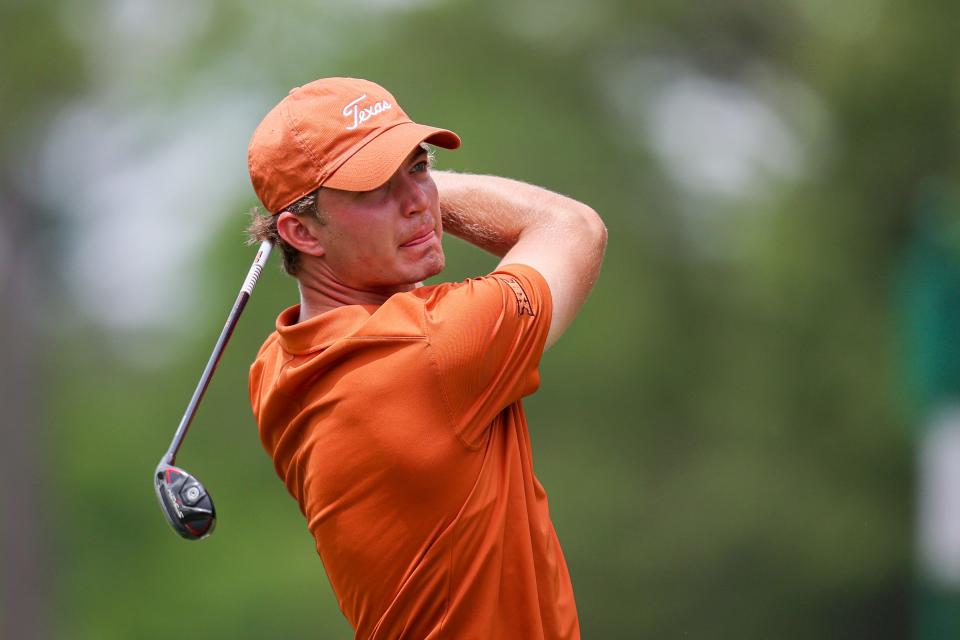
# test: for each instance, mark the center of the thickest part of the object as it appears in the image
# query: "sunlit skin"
(371, 244)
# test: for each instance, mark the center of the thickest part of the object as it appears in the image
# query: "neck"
(321, 291)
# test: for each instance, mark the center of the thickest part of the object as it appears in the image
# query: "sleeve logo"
(523, 302)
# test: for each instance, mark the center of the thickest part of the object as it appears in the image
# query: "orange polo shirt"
(399, 431)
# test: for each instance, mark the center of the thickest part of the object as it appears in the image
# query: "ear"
(300, 233)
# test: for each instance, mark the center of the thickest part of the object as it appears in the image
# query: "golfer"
(392, 410)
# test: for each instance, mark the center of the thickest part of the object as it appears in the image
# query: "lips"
(421, 238)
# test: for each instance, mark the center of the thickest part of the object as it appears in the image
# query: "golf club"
(184, 501)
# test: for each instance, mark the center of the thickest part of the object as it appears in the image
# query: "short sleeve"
(487, 335)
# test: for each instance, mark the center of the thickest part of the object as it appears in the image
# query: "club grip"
(257, 267)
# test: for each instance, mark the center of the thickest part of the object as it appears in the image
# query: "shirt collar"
(317, 333)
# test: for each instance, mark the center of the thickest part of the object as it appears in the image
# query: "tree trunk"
(23, 584)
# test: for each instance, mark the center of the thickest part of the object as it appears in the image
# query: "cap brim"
(376, 161)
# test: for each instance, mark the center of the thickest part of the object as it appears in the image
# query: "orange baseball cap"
(341, 133)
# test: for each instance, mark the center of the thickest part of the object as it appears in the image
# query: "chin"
(416, 271)
(433, 267)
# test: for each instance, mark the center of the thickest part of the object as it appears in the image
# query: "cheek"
(363, 247)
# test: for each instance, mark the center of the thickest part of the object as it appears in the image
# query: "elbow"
(601, 230)
(594, 230)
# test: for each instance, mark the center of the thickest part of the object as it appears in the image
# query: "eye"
(420, 167)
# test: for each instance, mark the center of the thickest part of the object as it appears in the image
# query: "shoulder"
(507, 304)
(518, 282)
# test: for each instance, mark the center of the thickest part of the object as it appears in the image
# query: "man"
(391, 409)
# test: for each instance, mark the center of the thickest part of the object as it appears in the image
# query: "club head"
(185, 502)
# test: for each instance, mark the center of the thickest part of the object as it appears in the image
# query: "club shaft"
(245, 291)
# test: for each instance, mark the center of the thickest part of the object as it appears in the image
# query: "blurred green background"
(727, 432)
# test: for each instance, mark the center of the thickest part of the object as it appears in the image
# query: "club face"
(185, 502)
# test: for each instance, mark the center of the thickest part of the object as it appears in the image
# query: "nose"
(414, 196)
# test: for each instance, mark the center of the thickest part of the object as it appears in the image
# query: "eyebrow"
(416, 154)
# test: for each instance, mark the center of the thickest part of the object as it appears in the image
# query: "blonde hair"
(263, 226)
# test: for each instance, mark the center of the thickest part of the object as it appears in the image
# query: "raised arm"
(522, 224)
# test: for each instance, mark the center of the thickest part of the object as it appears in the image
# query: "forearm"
(493, 213)
(562, 239)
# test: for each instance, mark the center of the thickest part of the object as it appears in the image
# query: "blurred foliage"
(721, 431)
